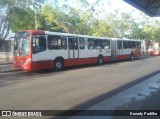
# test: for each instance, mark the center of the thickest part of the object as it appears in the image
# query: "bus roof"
(77, 35)
(125, 39)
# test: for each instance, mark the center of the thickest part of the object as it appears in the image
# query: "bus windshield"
(22, 44)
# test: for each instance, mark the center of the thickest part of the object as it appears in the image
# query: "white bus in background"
(36, 50)
(154, 48)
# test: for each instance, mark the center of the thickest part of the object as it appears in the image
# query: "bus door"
(120, 48)
(73, 48)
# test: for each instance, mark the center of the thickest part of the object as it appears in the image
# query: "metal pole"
(35, 11)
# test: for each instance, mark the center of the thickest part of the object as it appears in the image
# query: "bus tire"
(100, 60)
(58, 64)
(132, 57)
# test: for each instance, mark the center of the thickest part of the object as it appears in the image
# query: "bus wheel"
(100, 60)
(58, 65)
(132, 57)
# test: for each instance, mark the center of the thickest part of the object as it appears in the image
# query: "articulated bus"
(154, 49)
(37, 50)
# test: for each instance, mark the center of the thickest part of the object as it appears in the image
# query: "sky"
(121, 6)
(106, 6)
(111, 5)
(125, 7)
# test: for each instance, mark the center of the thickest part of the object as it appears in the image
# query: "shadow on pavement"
(81, 107)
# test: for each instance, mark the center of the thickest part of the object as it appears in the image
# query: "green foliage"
(22, 19)
(5, 11)
(85, 19)
(18, 14)
(47, 19)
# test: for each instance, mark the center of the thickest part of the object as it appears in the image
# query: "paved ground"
(73, 88)
(6, 65)
(6, 68)
(146, 98)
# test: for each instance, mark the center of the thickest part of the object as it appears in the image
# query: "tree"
(22, 19)
(16, 15)
(48, 19)
(156, 31)
(4, 19)
(56, 19)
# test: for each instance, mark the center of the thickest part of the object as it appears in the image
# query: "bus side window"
(64, 42)
(91, 44)
(81, 43)
(119, 44)
(42, 43)
(125, 44)
(38, 44)
(54, 42)
(106, 43)
(98, 43)
(129, 44)
(138, 44)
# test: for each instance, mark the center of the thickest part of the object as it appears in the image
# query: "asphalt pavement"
(146, 99)
(116, 86)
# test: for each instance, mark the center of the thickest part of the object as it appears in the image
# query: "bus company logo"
(20, 113)
(6, 113)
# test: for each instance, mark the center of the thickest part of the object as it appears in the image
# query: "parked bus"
(154, 48)
(36, 50)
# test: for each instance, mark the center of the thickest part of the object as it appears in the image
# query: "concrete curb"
(13, 70)
(6, 63)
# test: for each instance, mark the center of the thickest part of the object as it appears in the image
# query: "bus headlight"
(28, 61)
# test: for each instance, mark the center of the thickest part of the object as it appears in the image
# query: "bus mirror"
(106, 47)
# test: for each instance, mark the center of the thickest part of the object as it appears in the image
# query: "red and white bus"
(154, 48)
(36, 50)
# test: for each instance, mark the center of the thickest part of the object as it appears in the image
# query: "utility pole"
(35, 16)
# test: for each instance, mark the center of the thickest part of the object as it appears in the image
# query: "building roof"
(10, 35)
(150, 7)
